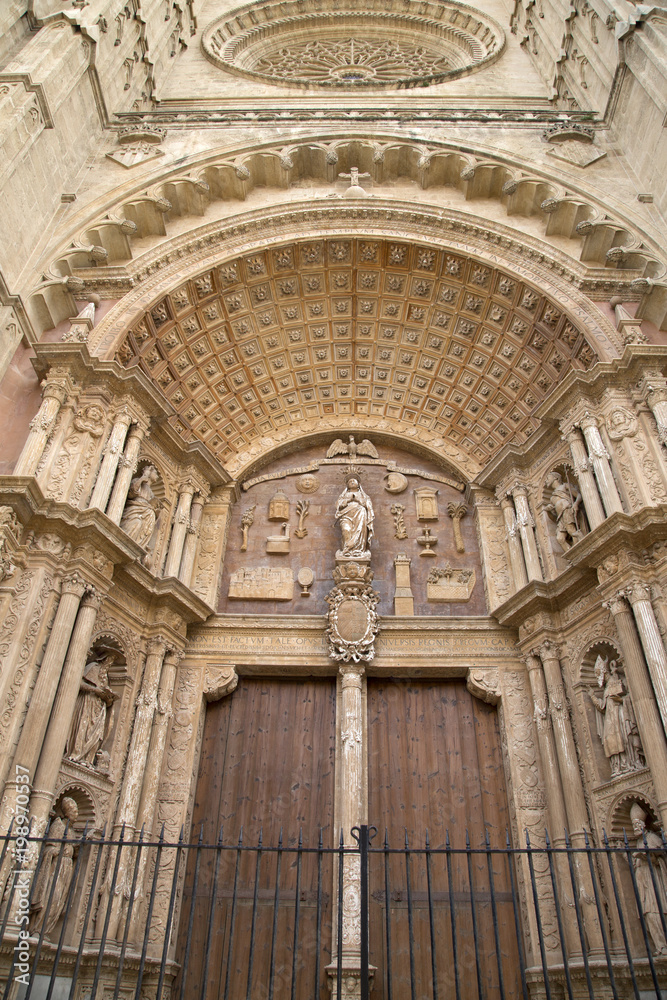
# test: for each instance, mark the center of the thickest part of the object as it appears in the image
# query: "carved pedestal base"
(351, 980)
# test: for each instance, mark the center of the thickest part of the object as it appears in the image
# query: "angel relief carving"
(352, 449)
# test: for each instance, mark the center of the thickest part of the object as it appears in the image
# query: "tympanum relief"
(348, 520)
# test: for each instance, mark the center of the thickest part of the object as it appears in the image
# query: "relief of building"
(332, 495)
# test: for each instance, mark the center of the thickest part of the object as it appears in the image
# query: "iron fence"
(99, 917)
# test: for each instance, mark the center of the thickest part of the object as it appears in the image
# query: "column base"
(351, 979)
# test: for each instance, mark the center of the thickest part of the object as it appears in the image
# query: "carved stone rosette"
(352, 621)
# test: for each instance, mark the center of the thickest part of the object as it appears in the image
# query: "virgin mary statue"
(354, 511)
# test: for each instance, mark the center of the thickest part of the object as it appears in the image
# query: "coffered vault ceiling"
(343, 328)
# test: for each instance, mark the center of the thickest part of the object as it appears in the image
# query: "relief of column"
(555, 801)
(181, 523)
(39, 710)
(112, 455)
(71, 461)
(587, 483)
(639, 596)
(527, 532)
(573, 791)
(600, 460)
(151, 778)
(56, 388)
(517, 563)
(646, 711)
(134, 773)
(190, 545)
(126, 467)
(213, 543)
(60, 721)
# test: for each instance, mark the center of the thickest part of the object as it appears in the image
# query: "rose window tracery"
(287, 43)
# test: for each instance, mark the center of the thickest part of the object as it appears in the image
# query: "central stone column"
(351, 631)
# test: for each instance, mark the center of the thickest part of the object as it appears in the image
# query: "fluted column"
(527, 532)
(573, 790)
(640, 598)
(190, 545)
(600, 458)
(112, 455)
(56, 390)
(39, 710)
(127, 465)
(586, 479)
(181, 522)
(63, 709)
(517, 564)
(644, 704)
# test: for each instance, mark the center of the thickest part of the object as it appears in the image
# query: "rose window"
(349, 49)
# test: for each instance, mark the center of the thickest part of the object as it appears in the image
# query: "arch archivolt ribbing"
(250, 355)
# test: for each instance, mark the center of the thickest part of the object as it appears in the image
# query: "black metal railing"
(426, 921)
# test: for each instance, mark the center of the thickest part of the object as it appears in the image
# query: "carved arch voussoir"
(184, 192)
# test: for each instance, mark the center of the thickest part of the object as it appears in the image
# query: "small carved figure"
(652, 901)
(246, 523)
(302, 510)
(352, 448)
(616, 725)
(354, 511)
(564, 507)
(397, 510)
(90, 724)
(58, 830)
(140, 515)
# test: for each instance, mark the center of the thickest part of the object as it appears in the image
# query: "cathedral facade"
(333, 493)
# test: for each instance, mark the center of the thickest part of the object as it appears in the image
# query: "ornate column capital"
(547, 650)
(74, 584)
(173, 654)
(157, 644)
(351, 674)
(637, 591)
(617, 603)
(92, 598)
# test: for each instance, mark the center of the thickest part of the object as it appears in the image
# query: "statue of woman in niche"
(139, 516)
(616, 725)
(652, 902)
(60, 826)
(90, 723)
(354, 511)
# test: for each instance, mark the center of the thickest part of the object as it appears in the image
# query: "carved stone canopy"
(429, 341)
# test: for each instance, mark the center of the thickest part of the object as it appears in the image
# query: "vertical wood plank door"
(266, 768)
(435, 768)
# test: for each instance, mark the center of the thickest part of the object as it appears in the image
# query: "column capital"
(617, 603)
(532, 660)
(157, 645)
(588, 420)
(351, 674)
(174, 655)
(92, 598)
(547, 650)
(637, 591)
(74, 584)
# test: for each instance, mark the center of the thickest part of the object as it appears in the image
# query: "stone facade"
(248, 249)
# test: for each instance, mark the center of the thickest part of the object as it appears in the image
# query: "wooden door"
(435, 767)
(266, 766)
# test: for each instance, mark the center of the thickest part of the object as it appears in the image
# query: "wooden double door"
(267, 770)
